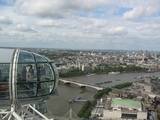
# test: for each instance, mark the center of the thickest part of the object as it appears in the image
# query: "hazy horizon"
(76, 49)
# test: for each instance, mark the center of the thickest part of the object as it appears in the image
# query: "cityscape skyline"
(81, 24)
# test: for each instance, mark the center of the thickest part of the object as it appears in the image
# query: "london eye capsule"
(25, 77)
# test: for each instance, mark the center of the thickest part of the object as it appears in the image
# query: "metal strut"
(26, 112)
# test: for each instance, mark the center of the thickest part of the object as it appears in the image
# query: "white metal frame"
(25, 112)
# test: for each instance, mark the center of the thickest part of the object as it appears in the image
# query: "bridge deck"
(81, 84)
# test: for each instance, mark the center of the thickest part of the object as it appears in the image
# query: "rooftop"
(127, 103)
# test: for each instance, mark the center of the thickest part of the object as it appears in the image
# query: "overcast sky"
(81, 24)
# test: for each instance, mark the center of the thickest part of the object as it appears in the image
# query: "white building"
(122, 109)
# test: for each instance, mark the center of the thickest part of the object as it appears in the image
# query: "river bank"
(58, 105)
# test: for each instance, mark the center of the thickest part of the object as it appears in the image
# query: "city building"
(124, 109)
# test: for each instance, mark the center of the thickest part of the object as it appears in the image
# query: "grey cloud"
(5, 20)
(50, 23)
(119, 30)
(24, 28)
(142, 10)
(56, 8)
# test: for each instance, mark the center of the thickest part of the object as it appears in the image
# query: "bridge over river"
(80, 84)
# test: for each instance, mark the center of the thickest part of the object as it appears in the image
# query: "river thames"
(58, 105)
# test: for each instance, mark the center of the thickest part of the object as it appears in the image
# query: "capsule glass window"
(26, 76)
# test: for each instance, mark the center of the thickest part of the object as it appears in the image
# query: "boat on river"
(114, 73)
